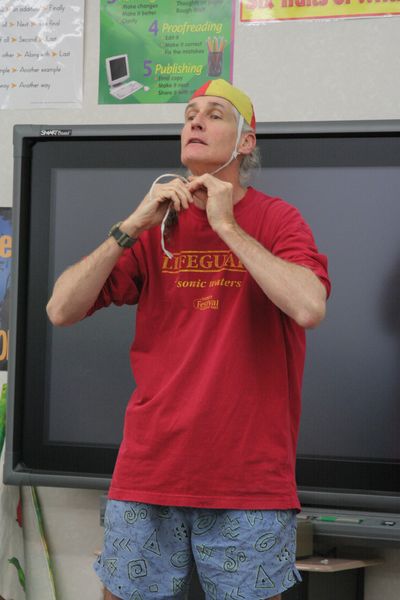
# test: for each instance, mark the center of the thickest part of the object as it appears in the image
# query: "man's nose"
(197, 122)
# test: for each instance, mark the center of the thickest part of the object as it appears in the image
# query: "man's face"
(209, 134)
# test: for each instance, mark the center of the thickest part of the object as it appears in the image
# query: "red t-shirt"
(214, 419)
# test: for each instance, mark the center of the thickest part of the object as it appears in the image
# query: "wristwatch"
(123, 239)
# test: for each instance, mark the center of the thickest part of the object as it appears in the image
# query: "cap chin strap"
(234, 155)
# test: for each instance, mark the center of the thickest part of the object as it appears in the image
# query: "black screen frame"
(370, 484)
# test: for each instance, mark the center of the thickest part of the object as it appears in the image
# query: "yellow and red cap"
(223, 89)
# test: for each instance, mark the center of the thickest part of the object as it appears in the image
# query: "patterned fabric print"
(146, 552)
(150, 552)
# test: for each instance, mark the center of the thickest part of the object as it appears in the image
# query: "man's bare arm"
(78, 287)
(295, 289)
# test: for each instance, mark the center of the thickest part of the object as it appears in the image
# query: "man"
(205, 472)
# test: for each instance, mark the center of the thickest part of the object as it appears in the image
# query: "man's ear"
(247, 143)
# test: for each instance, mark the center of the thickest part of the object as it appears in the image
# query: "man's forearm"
(296, 290)
(77, 288)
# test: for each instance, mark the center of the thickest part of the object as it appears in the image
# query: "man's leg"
(109, 596)
(146, 551)
(249, 554)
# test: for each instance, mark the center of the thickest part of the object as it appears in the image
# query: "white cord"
(234, 155)
(170, 256)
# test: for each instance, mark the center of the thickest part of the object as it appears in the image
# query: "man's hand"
(218, 199)
(154, 205)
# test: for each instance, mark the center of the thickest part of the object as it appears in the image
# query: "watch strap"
(123, 239)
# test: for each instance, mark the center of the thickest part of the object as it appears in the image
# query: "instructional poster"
(160, 51)
(5, 276)
(41, 54)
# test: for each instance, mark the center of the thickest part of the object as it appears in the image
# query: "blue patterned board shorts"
(151, 551)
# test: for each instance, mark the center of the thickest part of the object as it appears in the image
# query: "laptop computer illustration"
(117, 68)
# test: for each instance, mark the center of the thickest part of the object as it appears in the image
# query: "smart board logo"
(56, 132)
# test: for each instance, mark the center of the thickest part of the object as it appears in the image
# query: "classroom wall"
(310, 71)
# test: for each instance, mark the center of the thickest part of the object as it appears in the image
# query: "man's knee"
(109, 596)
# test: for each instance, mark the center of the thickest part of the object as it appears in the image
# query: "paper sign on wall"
(159, 51)
(262, 11)
(41, 54)
(5, 277)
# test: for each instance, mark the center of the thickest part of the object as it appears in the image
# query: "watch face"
(119, 236)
